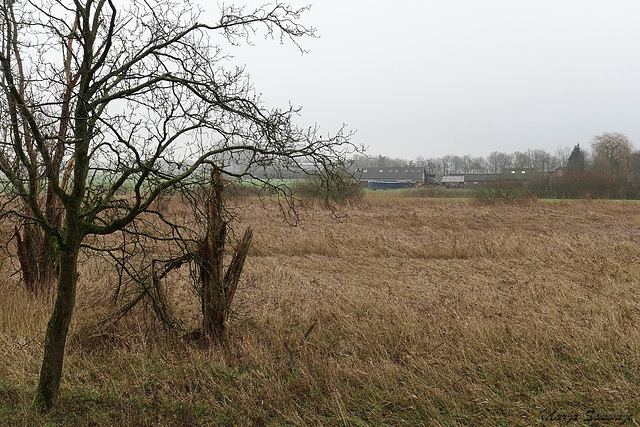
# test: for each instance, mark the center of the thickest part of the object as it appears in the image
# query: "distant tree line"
(610, 169)
(610, 153)
(541, 160)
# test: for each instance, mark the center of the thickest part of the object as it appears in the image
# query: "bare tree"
(498, 161)
(522, 159)
(433, 166)
(477, 165)
(612, 153)
(541, 160)
(562, 154)
(36, 254)
(446, 164)
(109, 106)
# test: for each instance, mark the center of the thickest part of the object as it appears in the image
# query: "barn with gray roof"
(396, 177)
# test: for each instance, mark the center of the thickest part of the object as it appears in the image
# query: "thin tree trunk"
(25, 256)
(56, 336)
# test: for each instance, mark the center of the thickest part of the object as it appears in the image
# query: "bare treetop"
(139, 95)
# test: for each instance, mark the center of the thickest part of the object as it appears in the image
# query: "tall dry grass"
(426, 313)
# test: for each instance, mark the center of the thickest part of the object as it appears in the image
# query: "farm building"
(557, 172)
(469, 179)
(518, 174)
(389, 178)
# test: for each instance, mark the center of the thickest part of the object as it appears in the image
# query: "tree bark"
(218, 290)
(212, 265)
(48, 389)
(232, 276)
(38, 260)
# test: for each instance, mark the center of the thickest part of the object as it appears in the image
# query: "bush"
(503, 192)
(580, 185)
(335, 188)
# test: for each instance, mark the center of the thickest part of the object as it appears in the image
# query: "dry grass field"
(427, 312)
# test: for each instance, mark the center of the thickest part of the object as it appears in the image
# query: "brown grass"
(428, 313)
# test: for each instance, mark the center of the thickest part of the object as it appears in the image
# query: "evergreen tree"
(576, 161)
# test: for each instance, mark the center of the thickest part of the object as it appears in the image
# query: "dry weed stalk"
(293, 351)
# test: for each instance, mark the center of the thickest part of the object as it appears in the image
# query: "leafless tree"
(498, 161)
(107, 106)
(36, 253)
(612, 153)
(522, 159)
(562, 154)
(542, 161)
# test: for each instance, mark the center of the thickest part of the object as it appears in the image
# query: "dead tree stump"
(218, 289)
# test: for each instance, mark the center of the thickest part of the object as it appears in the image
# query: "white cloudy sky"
(430, 78)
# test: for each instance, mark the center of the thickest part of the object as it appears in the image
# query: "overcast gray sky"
(430, 78)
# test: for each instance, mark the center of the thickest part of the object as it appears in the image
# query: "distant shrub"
(503, 192)
(260, 188)
(335, 188)
(244, 189)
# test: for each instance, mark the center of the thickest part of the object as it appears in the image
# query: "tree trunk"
(212, 265)
(38, 259)
(56, 336)
(218, 290)
(26, 258)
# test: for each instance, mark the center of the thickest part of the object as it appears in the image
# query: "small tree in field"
(107, 106)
